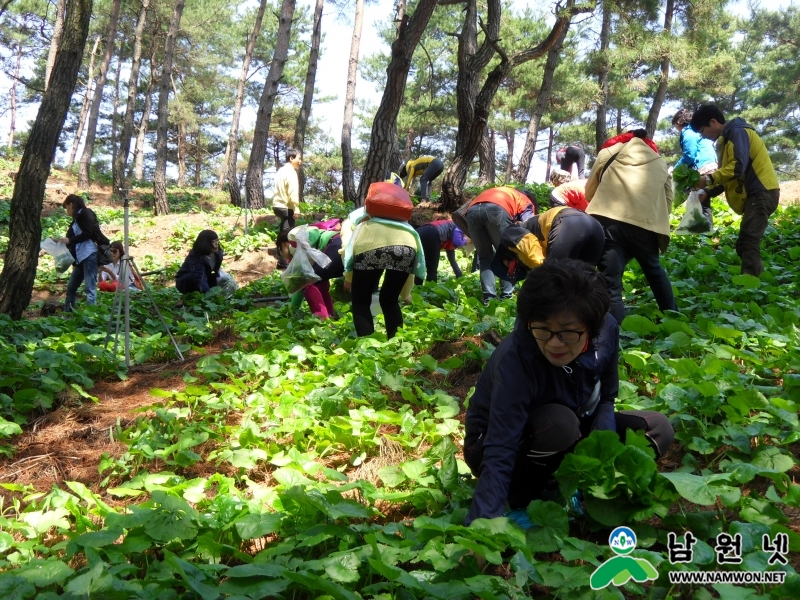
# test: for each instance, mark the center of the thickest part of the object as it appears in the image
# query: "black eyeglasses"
(568, 337)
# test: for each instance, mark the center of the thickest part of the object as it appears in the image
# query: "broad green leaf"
(552, 526)
(746, 281)
(391, 475)
(331, 588)
(289, 477)
(98, 539)
(94, 581)
(257, 525)
(42, 521)
(639, 324)
(343, 568)
(769, 457)
(698, 489)
(6, 541)
(44, 573)
(14, 587)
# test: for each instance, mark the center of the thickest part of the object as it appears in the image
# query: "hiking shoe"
(282, 265)
(520, 517)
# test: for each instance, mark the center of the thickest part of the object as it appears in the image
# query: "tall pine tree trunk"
(542, 99)
(254, 184)
(232, 151)
(85, 106)
(114, 119)
(144, 123)
(94, 112)
(12, 122)
(181, 154)
(161, 206)
(308, 94)
(486, 159)
(25, 226)
(118, 171)
(663, 81)
(510, 137)
(349, 191)
(58, 31)
(383, 138)
(601, 132)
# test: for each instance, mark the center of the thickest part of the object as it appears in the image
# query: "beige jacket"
(287, 188)
(635, 188)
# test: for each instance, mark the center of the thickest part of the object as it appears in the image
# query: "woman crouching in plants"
(202, 268)
(108, 279)
(317, 294)
(548, 384)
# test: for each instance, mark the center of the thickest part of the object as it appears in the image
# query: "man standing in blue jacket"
(549, 383)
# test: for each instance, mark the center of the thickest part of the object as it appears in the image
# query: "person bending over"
(549, 383)
(427, 168)
(560, 232)
(436, 236)
(202, 268)
(567, 191)
(317, 295)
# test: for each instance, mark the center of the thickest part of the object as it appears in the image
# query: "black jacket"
(518, 379)
(196, 273)
(90, 230)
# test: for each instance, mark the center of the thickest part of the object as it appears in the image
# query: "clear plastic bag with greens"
(684, 180)
(59, 252)
(300, 271)
(693, 221)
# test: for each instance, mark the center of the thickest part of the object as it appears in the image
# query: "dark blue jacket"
(196, 274)
(517, 380)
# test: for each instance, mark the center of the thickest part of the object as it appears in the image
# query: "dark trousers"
(286, 215)
(556, 431)
(431, 172)
(757, 210)
(576, 235)
(623, 243)
(431, 246)
(363, 284)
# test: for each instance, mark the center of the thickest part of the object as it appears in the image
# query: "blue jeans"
(487, 222)
(84, 272)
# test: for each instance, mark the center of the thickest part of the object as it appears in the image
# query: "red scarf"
(627, 137)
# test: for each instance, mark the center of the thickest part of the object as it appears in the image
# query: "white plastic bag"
(59, 252)
(693, 221)
(300, 271)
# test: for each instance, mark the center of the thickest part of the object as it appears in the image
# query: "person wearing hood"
(630, 192)
(747, 177)
(329, 241)
(202, 268)
(549, 383)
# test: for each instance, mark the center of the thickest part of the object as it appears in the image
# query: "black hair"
(118, 246)
(564, 285)
(283, 238)
(403, 172)
(291, 154)
(639, 133)
(703, 115)
(532, 197)
(76, 201)
(683, 117)
(202, 245)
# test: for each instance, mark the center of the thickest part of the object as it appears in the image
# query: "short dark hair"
(291, 154)
(202, 245)
(118, 246)
(76, 201)
(564, 285)
(532, 197)
(683, 117)
(703, 115)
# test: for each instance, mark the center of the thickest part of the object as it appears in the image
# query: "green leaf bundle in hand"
(685, 181)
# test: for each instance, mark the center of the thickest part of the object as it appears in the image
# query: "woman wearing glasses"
(109, 274)
(548, 384)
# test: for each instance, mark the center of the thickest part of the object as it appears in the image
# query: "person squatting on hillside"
(630, 192)
(373, 247)
(747, 177)
(549, 383)
(435, 237)
(560, 232)
(81, 239)
(317, 295)
(488, 215)
(572, 159)
(286, 198)
(108, 275)
(202, 268)
(567, 191)
(427, 168)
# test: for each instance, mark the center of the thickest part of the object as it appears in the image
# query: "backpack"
(388, 201)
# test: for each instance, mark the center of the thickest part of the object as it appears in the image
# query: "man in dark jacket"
(747, 177)
(82, 237)
(549, 383)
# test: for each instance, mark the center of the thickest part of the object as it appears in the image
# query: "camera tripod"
(122, 297)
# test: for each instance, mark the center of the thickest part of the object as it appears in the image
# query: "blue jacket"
(697, 150)
(517, 380)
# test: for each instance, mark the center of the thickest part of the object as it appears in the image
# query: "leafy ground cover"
(289, 459)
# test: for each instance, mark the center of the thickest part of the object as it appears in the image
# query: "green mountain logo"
(620, 569)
